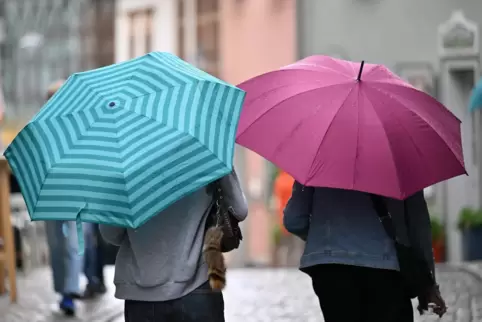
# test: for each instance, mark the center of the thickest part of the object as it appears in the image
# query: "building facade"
(44, 40)
(257, 36)
(233, 40)
(434, 44)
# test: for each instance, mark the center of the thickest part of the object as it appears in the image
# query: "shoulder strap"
(384, 216)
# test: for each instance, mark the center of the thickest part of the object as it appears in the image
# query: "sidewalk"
(38, 303)
(252, 295)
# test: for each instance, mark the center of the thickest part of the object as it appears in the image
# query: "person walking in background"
(282, 189)
(100, 262)
(349, 256)
(288, 247)
(65, 261)
(92, 262)
(160, 271)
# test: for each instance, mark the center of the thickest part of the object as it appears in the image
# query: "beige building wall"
(235, 40)
(143, 26)
(256, 36)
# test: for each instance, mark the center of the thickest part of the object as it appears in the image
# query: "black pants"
(100, 256)
(98, 260)
(201, 305)
(357, 294)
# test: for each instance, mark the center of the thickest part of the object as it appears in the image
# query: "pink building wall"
(256, 36)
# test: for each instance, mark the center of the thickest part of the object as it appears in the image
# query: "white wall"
(383, 31)
(457, 78)
(165, 25)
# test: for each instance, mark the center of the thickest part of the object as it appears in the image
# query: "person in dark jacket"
(349, 256)
(93, 262)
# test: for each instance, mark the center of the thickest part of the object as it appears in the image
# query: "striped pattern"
(117, 145)
(476, 97)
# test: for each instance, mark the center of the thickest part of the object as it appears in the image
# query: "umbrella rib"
(389, 143)
(377, 67)
(335, 71)
(54, 164)
(357, 139)
(41, 187)
(51, 167)
(327, 130)
(297, 127)
(395, 96)
(279, 103)
(411, 88)
(177, 130)
(266, 93)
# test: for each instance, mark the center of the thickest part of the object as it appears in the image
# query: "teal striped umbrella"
(118, 144)
(476, 97)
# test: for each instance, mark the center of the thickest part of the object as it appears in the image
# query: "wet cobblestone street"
(252, 295)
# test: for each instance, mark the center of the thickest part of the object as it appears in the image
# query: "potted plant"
(438, 239)
(470, 224)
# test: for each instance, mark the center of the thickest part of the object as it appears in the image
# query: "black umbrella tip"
(360, 71)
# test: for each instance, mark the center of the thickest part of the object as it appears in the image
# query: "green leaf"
(470, 218)
(438, 229)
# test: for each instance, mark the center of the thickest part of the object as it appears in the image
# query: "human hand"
(432, 299)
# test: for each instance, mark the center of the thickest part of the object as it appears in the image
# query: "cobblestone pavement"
(262, 296)
(252, 295)
(38, 303)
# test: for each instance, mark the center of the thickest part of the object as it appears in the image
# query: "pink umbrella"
(335, 123)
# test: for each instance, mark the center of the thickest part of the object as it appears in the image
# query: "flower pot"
(438, 247)
(472, 243)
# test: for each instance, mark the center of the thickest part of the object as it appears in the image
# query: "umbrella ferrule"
(360, 71)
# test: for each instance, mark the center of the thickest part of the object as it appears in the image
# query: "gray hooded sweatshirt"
(162, 259)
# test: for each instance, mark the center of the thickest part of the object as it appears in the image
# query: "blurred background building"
(434, 44)
(233, 40)
(44, 40)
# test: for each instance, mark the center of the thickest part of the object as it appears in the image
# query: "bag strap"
(384, 216)
(218, 197)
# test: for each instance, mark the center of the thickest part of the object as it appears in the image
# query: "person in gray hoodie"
(160, 271)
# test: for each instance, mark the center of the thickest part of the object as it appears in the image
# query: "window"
(140, 32)
(181, 29)
(198, 33)
(66, 44)
(207, 35)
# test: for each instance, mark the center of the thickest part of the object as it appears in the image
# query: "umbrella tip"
(360, 71)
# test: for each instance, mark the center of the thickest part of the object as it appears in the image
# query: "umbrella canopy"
(335, 123)
(476, 97)
(117, 145)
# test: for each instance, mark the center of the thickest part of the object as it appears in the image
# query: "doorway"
(456, 86)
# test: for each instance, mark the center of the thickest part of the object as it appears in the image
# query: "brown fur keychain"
(214, 258)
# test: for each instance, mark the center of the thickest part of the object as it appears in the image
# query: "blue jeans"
(65, 261)
(90, 254)
(201, 305)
